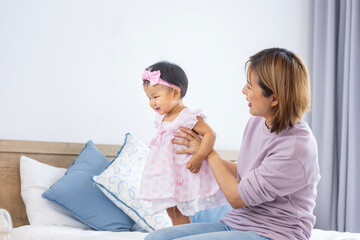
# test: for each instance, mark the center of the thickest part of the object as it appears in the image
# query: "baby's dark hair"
(171, 73)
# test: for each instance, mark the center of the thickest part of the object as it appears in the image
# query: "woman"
(272, 187)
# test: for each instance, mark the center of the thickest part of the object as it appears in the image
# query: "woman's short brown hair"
(282, 73)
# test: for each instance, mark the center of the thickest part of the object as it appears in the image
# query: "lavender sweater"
(278, 175)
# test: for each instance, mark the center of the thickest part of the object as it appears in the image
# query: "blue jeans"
(202, 231)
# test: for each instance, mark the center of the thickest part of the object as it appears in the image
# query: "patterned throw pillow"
(120, 182)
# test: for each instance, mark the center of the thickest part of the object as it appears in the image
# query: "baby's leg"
(171, 212)
(180, 218)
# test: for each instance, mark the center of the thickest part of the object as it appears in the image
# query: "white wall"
(71, 70)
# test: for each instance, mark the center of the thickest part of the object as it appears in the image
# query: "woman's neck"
(170, 116)
(268, 123)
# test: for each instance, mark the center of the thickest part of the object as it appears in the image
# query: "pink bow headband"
(154, 78)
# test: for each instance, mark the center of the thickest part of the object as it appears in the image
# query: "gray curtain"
(335, 115)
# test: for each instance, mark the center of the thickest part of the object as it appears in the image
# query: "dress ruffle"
(189, 208)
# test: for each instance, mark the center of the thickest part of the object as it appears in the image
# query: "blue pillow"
(77, 194)
(211, 214)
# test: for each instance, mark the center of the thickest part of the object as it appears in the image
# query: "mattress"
(333, 235)
(62, 233)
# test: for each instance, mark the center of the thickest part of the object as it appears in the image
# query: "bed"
(62, 155)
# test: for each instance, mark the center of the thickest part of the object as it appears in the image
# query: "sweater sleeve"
(276, 176)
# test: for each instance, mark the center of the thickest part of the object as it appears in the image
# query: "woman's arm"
(231, 166)
(192, 140)
(224, 171)
(225, 178)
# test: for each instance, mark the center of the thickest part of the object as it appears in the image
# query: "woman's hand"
(190, 139)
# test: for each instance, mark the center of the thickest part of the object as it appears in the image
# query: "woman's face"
(258, 104)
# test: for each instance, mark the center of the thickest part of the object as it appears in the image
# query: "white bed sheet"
(34, 232)
(63, 233)
(333, 235)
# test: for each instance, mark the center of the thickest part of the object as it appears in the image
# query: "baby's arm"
(206, 146)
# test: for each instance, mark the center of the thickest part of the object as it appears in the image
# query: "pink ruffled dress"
(166, 181)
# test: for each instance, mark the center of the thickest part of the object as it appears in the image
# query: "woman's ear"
(274, 100)
(176, 93)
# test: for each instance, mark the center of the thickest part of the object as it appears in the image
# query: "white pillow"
(36, 178)
(120, 182)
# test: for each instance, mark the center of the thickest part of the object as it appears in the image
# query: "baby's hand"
(194, 164)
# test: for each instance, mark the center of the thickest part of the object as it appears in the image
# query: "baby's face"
(161, 98)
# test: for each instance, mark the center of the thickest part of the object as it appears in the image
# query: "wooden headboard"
(57, 154)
